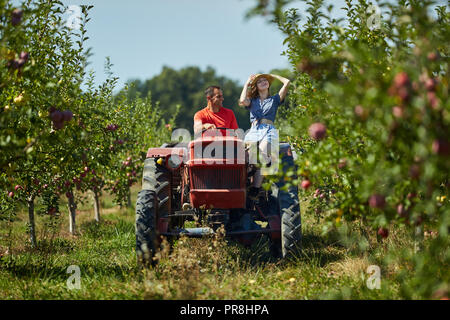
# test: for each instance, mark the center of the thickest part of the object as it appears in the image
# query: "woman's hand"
(244, 100)
(284, 89)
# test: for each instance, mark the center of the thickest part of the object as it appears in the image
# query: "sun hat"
(261, 75)
(253, 90)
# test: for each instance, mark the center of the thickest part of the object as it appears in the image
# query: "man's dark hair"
(209, 92)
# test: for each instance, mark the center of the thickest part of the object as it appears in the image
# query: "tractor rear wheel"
(291, 224)
(152, 210)
(289, 210)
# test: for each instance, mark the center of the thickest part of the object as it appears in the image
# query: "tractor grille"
(217, 178)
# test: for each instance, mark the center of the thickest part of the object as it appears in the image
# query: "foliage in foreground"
(370, 117)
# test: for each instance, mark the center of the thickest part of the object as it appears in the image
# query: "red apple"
(430, 84)
(377, 201)
(401, 79)
(433, 99)
(342, 163)
(441, 147)
(403, 93)
(67, 115)
(401, 86)
(411, 195)
(361, 112)
(317, 131)
(16, 17)
(305, 184)
(397, 111)
(23, 58)
(383, 232)
(56, 116)
(433, 56)
(58, 125)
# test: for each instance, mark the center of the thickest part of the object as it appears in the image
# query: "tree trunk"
(129, 198)
(72, 210)
(31, 221)
(96, 206)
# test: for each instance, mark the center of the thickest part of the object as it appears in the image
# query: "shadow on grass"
(106, 229)
(317, 250)
(51, 257)
(39, 268)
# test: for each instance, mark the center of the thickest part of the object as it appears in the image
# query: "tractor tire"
(291, 224)
(289, 208)
(146, 243)
(153, 203)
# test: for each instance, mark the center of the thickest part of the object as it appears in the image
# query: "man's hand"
(207, 126)
(199, 126)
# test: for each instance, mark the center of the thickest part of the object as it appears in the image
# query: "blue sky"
(141, 36)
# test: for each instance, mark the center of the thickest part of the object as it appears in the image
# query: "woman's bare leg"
(265, 159)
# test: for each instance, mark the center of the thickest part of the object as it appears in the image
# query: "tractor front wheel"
(153, 206)
(146, 237)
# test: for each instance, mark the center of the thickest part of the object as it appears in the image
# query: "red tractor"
(207, 180)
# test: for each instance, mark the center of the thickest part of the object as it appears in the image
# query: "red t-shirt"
(224, 118)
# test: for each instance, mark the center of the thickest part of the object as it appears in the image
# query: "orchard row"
(59, 134)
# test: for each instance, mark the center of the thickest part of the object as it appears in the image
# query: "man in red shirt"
(214, 115)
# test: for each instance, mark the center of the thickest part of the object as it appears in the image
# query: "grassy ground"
(212, 268)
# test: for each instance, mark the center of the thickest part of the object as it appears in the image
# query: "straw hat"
(253, 90)
(261, 75)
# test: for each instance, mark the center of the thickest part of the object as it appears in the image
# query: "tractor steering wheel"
(217, 128)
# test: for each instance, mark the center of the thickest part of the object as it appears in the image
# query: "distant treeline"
(185, 87)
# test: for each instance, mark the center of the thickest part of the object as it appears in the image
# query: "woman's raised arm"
(244, 100)
(284, 88)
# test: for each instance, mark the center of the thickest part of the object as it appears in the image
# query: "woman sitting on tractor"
(263, 108)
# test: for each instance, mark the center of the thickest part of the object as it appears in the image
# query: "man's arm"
(199, 126)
